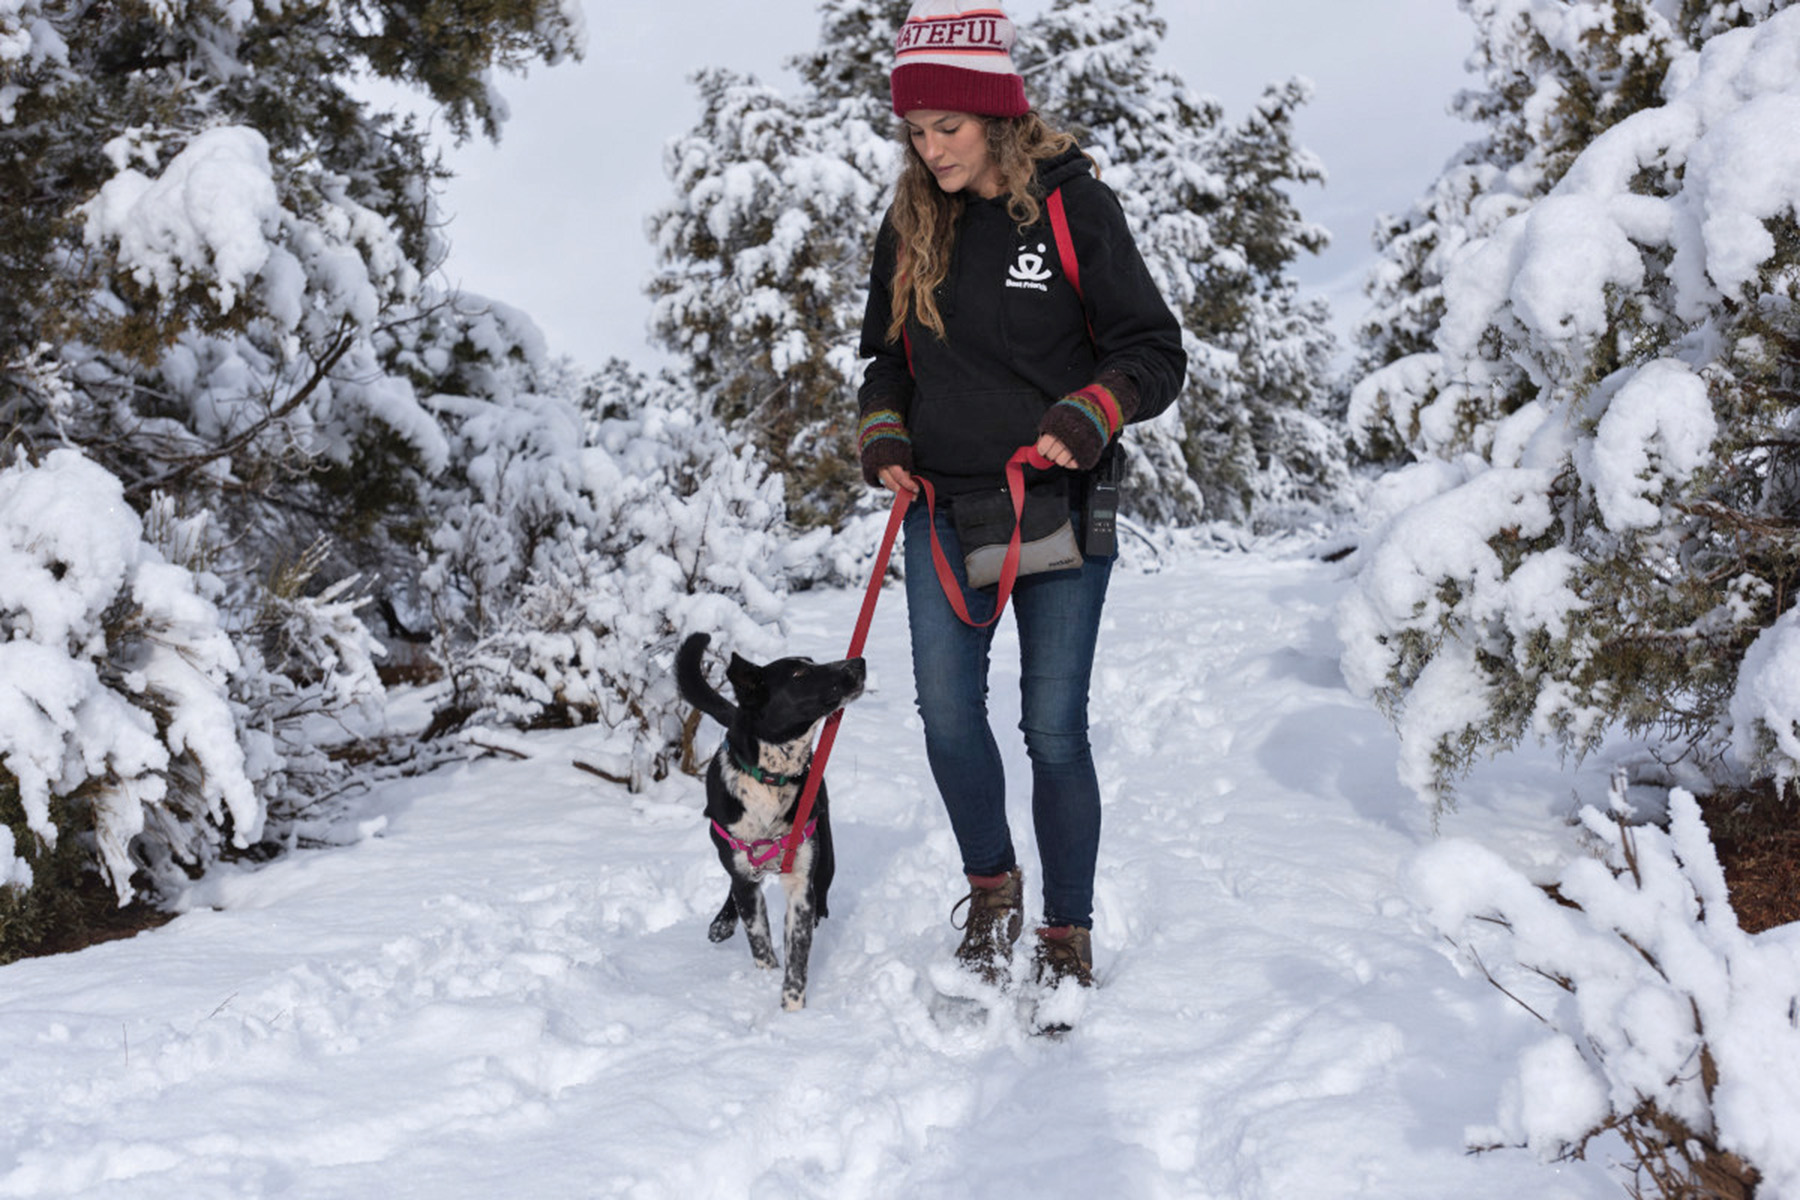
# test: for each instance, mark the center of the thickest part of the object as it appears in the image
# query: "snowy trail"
(509, 991)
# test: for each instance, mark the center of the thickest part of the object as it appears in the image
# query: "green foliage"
(52, 905)
(1210, 203)
(1551, 82)
(262, 402)
(1652, 416)
(854, 54)
(764, 266)
(448, 46)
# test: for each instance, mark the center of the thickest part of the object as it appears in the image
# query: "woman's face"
(954, 145)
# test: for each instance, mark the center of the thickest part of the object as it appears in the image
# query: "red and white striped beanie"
(957, 57)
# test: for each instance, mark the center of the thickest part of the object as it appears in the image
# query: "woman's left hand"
(1053, 449)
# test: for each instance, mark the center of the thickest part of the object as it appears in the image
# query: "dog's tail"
(691, 680)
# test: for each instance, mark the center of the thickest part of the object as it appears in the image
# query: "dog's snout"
(853, 674)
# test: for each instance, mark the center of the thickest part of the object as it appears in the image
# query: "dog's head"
(784, 699)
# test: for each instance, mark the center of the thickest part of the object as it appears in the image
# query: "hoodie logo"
(1029, 271)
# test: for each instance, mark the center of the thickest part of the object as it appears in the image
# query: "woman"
(980, 344)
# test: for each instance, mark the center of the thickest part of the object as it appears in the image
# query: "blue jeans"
(1058, 616)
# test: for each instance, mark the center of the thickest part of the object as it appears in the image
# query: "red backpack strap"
(905, 337)
(1065, 250)
(1065, 244)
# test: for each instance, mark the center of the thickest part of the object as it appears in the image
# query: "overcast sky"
(551, 219)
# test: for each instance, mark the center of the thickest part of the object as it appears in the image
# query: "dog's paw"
(793, 1001)
(722, 928)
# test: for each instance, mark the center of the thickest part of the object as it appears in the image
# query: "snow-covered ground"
(506, 989)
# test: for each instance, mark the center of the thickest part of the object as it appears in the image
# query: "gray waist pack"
(985, 528)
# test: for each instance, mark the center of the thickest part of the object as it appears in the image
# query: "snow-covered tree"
(508, 494)
(116, 727)
(1600, 531)
(308, 694)
(1552, 76)
(855, 53)
(1091, 69)
(764, 252)
(1210, 207)
(669, 529)
(212, 232)
(217, 256)
(1278, 395)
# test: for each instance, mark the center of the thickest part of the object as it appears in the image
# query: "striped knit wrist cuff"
(1084, 423)
(1097, 403)
(881, 424)
(882, 442)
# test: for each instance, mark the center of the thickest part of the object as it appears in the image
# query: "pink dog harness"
(764, 850)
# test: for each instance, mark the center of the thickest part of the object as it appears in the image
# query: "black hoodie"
(1017, 333)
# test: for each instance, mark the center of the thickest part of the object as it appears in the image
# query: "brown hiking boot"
(1064, 952)
(996, 916)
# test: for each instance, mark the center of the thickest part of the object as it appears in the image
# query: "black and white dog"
(753, 789)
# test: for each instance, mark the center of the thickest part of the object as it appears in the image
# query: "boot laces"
(1061, 958)
(984, 905)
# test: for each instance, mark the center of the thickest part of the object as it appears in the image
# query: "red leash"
(1009, 567)
(815, 772)
(1009, 570)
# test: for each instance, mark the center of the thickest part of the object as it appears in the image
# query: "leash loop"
(1024, 456)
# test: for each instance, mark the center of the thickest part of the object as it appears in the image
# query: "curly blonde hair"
(924, 215)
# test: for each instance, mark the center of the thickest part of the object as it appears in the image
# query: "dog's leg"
(748, 897)
(798, 936)
(725, 924)
(824, 864)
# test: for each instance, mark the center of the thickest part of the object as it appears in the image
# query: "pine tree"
(854, 56)
(232, 353)
(1606, 417)
(217, 256)
(681, 532)
(1210, 208)
(1552, 78)
(1279, 390)
(120, 749)
(1090, 68)
(765, 253)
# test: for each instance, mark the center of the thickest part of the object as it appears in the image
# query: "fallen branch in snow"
(591, 769)
(470, 739)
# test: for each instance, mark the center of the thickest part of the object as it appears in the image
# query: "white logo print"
(1029, 271)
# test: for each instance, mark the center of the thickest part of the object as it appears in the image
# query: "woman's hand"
(898, 479)
(1052, 448)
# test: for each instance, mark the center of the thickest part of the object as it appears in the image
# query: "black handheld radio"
(1100, 506)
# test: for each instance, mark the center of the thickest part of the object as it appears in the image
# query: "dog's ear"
(747, 681)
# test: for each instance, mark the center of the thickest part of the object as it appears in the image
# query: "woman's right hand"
(898, 479)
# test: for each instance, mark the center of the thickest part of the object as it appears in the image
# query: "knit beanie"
(957, 57)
